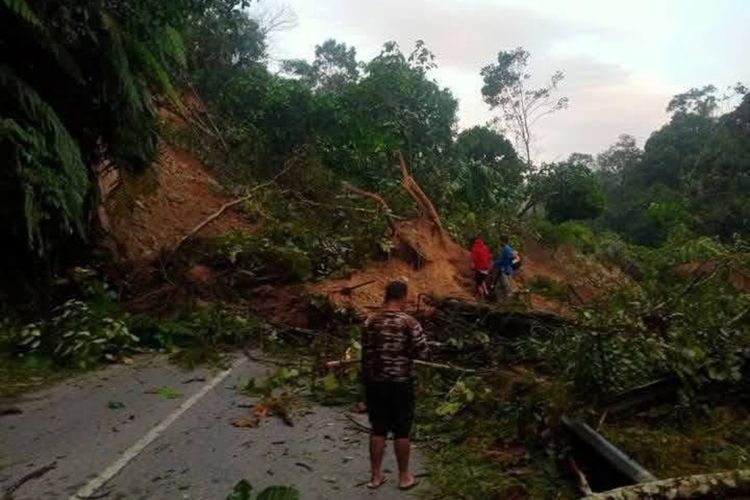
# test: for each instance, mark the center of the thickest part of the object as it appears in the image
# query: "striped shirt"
(391, 341)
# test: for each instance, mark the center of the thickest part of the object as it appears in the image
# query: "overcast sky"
(623, 60)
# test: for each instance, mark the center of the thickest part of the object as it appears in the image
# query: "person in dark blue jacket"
(503, 264)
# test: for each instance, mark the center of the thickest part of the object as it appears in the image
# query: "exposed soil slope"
(150, 213)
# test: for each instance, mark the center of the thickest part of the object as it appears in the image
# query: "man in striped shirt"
(391, 340)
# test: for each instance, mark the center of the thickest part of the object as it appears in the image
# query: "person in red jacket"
(481, 263)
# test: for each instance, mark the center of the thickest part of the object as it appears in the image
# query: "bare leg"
(402, 448)
(377, 449)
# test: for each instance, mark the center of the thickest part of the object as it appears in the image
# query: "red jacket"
(481, 258)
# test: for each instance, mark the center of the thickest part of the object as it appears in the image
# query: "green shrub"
(199, 337)
(77, 335)
(575, 234)
(548, 287)
(261, 256)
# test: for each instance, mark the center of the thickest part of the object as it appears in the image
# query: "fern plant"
(80, 92)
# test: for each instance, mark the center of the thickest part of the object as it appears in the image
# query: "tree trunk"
(733, 484)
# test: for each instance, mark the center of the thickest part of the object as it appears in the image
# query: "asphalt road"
(74, 440)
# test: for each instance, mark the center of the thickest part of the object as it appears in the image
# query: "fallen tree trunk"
(733, 484)
(411, 187)
(429, 364)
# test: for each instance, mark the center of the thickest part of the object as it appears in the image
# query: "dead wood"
(718, 485)
(358, 426)
(429, 364)
(377, 199)
(347, 290)
(583, 483)
(411, 187)
(35, 474)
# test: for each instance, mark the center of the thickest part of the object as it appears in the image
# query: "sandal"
(375, 486)
(413, 484)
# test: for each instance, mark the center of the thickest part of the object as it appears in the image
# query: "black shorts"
(480, 277)
(390, 406)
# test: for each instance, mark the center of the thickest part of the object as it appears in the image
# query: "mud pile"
(442, 269)
(432, 264)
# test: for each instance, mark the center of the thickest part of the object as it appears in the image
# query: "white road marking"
(100, 480)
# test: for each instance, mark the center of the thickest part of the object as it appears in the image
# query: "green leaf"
(22, 9)
(278, 493)
(330, 383)
(241, 491)
(448, 409)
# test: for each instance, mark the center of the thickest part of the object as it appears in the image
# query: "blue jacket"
(504, 260)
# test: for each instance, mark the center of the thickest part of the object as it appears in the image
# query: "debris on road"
(165, 392)
(13, 410)
(35, 474)
(247, 422)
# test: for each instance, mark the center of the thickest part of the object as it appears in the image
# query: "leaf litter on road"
(165, 392)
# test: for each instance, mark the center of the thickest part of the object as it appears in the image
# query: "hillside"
(148, 215)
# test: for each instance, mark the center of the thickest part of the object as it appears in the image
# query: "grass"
(27, 374)
(549, 288)
(717, 441)
(490, 448)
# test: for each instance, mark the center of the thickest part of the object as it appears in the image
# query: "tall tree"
(569, 190)
(335, 65)
(489, 169)
(506, 88)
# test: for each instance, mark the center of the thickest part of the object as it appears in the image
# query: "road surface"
(109, 434)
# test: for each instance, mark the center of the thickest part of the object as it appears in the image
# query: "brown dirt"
(150, 213)
(443, 270)
(738, 278)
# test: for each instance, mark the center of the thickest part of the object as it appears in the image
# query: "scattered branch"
(35, 474)
(359, 426)
(377, 199)
(441, 366)
(226, 206)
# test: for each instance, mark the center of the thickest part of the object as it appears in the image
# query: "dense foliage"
(79, 97)
(694, 173)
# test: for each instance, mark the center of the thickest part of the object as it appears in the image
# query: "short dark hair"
(395, 290)
(505, 239)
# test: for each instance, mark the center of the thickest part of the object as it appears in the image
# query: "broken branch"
(377, 199)
(35, 474)
(347, 290)
(228, 205)
(411, 187)
(343, 362)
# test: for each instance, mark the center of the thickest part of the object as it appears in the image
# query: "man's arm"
(420, 348)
